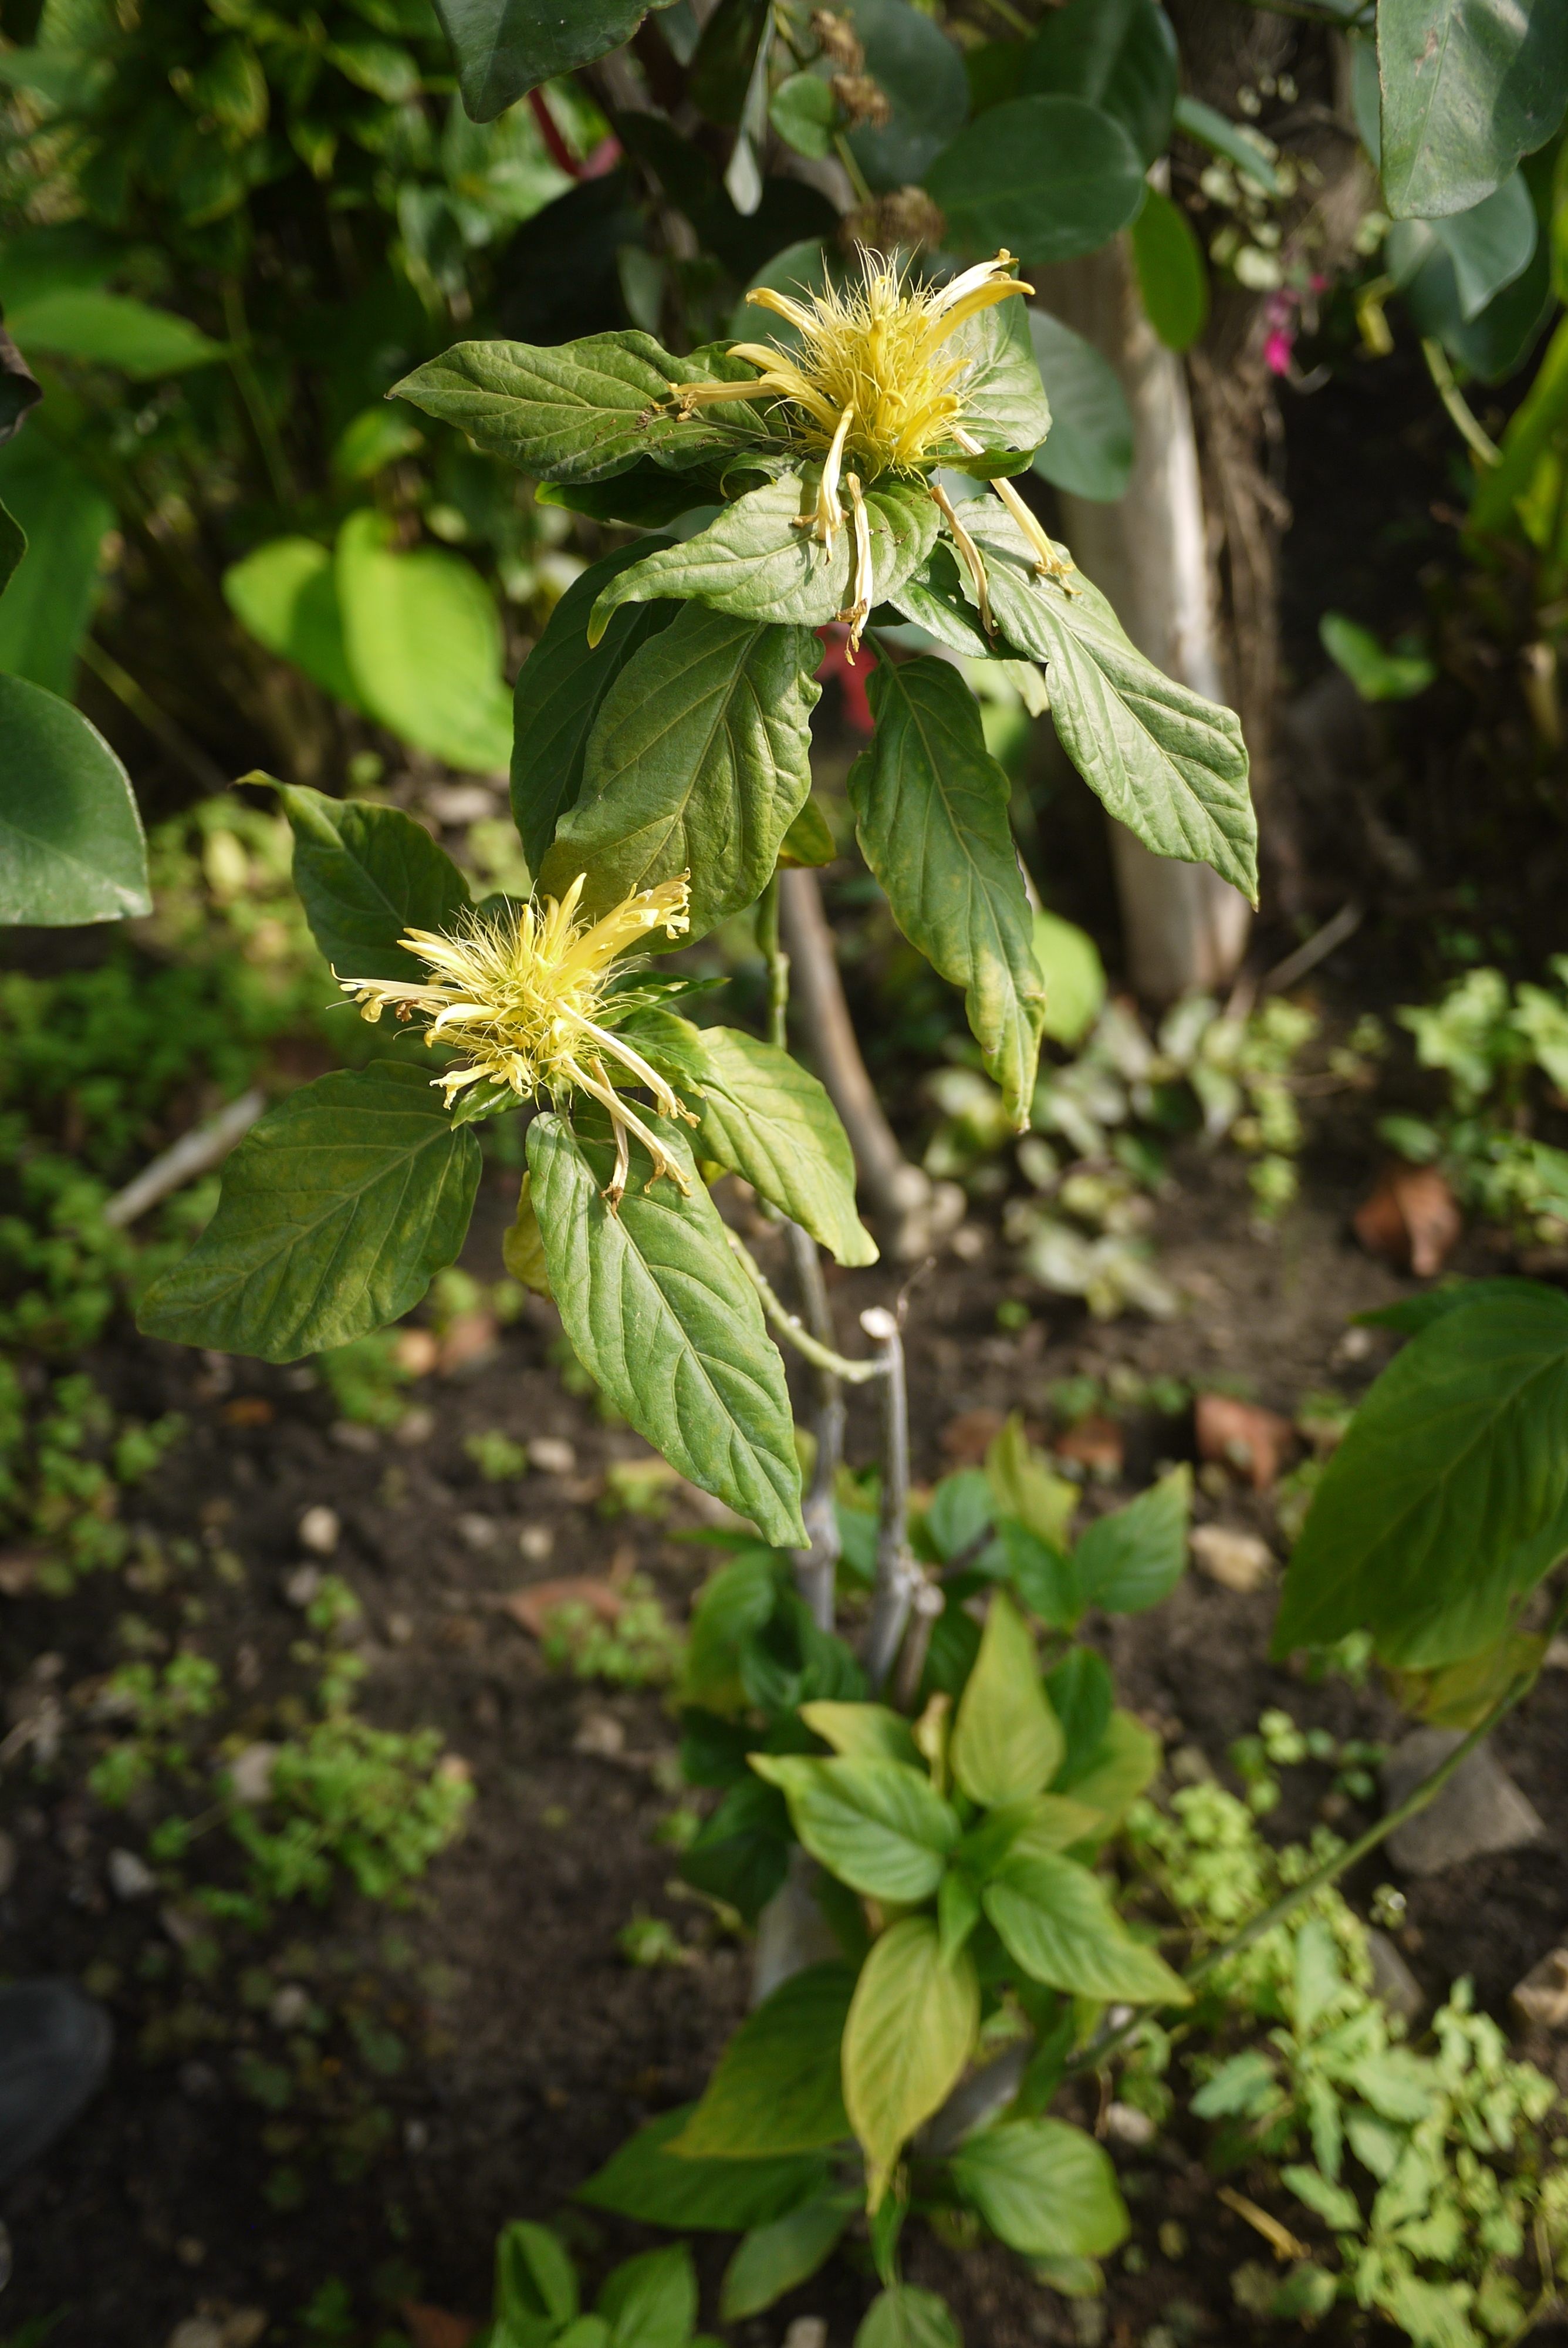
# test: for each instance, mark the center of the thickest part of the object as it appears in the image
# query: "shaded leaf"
(366, 875)
(776, 2087)
(285, 593)
(62, 518)
(773, 2259)
(1133, 1557)
(337, 1211)
(645, 2180)
(111, 330)
(666, 1323)
(425, 647)
(921, 73)
(1119, 55)
(506, 47)
(1089, 451)
(905, 2316)
(699, 761)
(1050, 177)
(71, 845)
(1173, 275)
(930, 808)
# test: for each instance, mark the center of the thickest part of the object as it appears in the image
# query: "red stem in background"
(560, 154)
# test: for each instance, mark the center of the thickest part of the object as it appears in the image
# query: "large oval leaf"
(1049, 177)
(425, 646)
(366, 875)
(920, 72)
(1119, 55)
(699, 761)
(1454, 1460)
(284, 594)
(71, 847)
(1043, 2187)
(1057, 1922)
(1468, 87)
(664, 1319)
(911, 2027)
(930, 808)
(506, 47)
(336, 1212)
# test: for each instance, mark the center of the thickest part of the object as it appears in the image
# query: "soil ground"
(486, 2047)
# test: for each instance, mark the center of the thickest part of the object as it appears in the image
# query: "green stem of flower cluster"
(1461, 413)
(789, 1327)
(777, 961)
(1100, 2050)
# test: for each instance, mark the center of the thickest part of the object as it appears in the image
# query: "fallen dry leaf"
(1239, 1435)
(1097, 1443)
(530, 1606)
(417, 1351)
(967, 1438)
(1238, 1561)
(248, 1410)
(436, 2327)
(1411, 1220)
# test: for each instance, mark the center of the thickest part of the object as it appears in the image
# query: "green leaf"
(13, 547)
(650, 2302)
(1068, 960)
(1043, 1575)
(536, 2283)
(878, 1825)
(921, 73)
(1173, 275)
(1056, 1920)
(49, 601)
(809, 840)
(1129, 1560)
(773, 2259)
(1410, 1314)
(1025, 1487)
(1050, 177)
(1042, 2187)
(644, 2180)
(776, 2088)
(862, 1732)
(758, 560)
(1246, 2083)
(506, 47)
(587, 2332)
(957, 1913)
(699, 761)
(424, 645)
(1168, 763)
(580, 411)
(1128, 1760)
(1530, 433)
(111, 330)
(366, 875)
(1047, 1822)
(905, 2316)
(910, 2032)
(1119, 55)
(1220, 136)
(1089, 452)
(337, 1211)
(559, 692)
(1487, 247)
(1454, 1460)
(766, 1117)
(285, 593)
(1376, 674)
(804, 112)
(1007, 1741)
(1335, 2204)
(1005, 400)
(930, 808)
(71, 846)
(666, 1323)
(1083, 1697)
(1468, 87)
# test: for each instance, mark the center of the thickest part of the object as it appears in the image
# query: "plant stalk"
(787, 1323)
(897, 1576)
(1460, 416)
(1100, 2049)
(817, 1568)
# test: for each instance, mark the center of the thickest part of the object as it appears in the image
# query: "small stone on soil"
(1542, 1997)
(301, 1585)
(806, 2332)
(602, 1735)
(400, 1629)
(478, 1531)
(320, 1531)
(130, 1878)
(536, 1542)
(1237, 1560)
(349, 1435)
(1124, 2124)
(552, 1454)
(289, 2006)
(1393, 1984)
(1480, 1811)
(250, 1772)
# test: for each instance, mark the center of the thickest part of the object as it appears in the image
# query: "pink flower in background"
(1279, 342)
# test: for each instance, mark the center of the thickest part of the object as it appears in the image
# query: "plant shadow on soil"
(482, 2051)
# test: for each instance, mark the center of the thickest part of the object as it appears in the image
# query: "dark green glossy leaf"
(699, 761)
(366, 875)
(506, 47)
(1042, 2187)
(1119, 55)
(666, 1323)
(1455, 1459)
(13, 546)
(645, 2180)
(1486, 248)
(1468, 87)
(921, 73)
(48, 604)
(1089, 452)
(776, 2088)
(760, 561)
(767, 1119)
(559, 692)
(1049, 177)
(1173, 275)
(71, 847)
(1168, 763)
(336, 1212)
(930, 808)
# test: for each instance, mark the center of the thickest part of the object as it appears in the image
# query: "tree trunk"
(1148, 552)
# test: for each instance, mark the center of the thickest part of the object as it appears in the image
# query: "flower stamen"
(973, 561)
(1048, 564)
(859, 609)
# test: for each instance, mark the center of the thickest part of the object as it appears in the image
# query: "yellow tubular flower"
(872, 352)
(517, 992)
